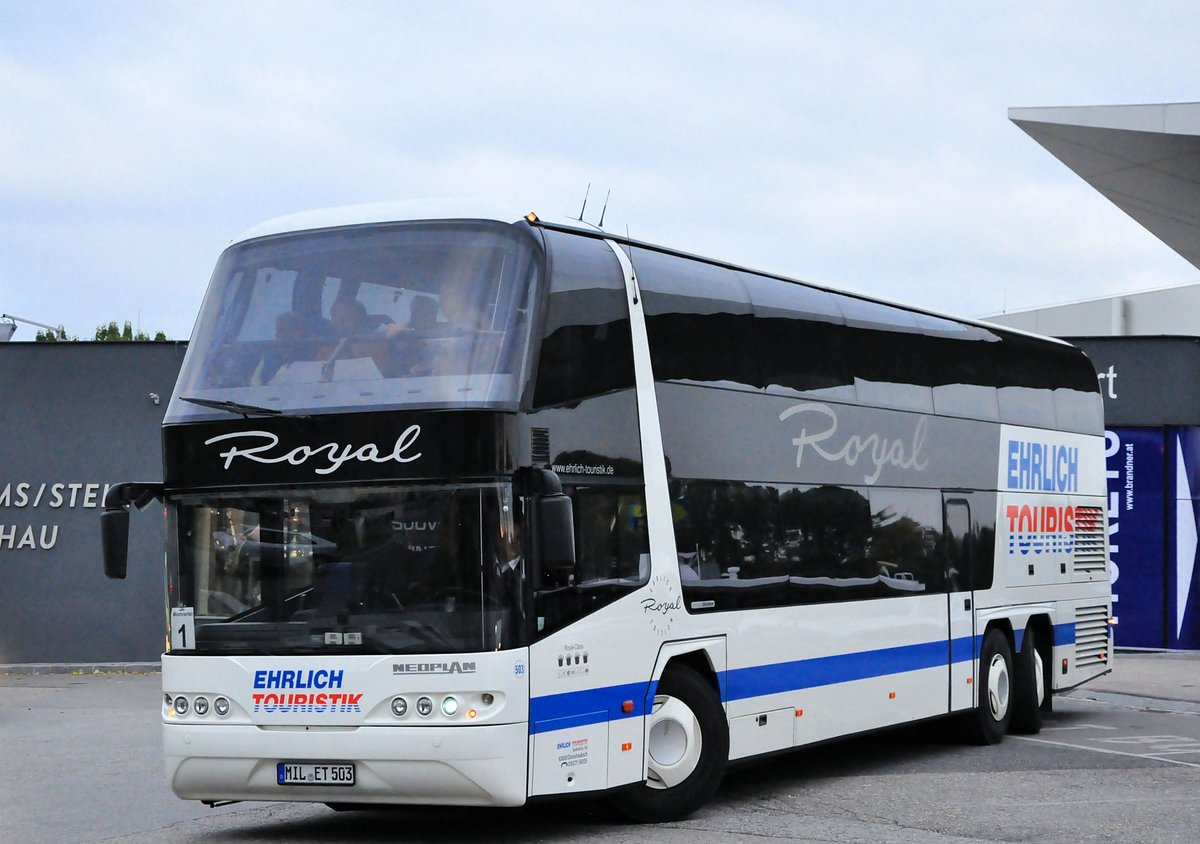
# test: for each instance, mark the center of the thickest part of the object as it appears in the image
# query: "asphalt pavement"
(1165, 681)
(83, 763)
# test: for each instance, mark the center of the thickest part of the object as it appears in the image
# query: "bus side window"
(699, 321)
(611, 543)
(586, 348)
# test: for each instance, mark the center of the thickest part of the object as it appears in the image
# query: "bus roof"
(396, 212)
(469, 208)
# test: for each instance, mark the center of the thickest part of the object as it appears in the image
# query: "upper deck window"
(418, 314)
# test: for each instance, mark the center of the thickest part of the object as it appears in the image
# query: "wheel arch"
(705, 657)
(1004, 625)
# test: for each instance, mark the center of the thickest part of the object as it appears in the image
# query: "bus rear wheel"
(989, 722)
(687, 747)
(1030, 692)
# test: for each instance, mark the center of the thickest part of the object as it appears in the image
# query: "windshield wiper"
(246, 410)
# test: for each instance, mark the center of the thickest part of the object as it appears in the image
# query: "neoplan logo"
(433, 667)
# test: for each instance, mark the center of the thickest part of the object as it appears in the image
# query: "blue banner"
(1135, 532)
(1183, 592)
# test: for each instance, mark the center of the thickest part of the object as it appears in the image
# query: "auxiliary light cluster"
(178, 706)
(450, 706)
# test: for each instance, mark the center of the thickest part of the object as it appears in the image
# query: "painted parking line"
(1079, 727)
(1158, 745)
(1109, 751)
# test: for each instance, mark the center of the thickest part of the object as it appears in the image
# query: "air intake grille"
(539, 444)
(1089, 539)
(1091, 636)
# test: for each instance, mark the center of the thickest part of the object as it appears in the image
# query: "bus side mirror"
(554, 518)
(556, 524)
(114, 541)
(114, 523)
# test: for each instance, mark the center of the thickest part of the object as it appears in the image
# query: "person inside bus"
(508, 565)
(409, 350)
(290, 330)
(462, 312)
(355, 334)
(471, 347)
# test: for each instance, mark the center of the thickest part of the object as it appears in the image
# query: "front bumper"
(485, 765)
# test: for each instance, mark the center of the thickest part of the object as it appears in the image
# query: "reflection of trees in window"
(752, 545)
(610, 534)
(828, 531)
(907, 538)
(728, 530)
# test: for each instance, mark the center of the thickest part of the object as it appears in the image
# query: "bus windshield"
(412, 315)
(430, 569)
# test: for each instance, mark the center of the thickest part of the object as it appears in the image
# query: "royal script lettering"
(261, 447)
(820, 424)
(650, 605)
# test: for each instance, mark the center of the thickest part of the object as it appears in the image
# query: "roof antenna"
(585, 196)
(600, 224)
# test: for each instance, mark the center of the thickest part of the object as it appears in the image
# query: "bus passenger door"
(959, 547)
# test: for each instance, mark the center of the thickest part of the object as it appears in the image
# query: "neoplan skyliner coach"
(474, 508)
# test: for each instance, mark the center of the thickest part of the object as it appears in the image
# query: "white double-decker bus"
(474, 508)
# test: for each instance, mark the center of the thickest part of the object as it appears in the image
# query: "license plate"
(308, 773)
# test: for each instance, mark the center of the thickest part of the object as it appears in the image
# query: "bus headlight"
(181, 705)
(424, 706)
(399, 707)
(221, 706)
(200, 707)
(449, 706)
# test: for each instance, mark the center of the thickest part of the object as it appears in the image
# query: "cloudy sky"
(865, 145)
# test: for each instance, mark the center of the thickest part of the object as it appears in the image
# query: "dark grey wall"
(1146, 381)
(75, 417)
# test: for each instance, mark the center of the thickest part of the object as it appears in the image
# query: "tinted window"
(827, 536)
(699, 320)
(414, 315)
(889, 355)
(906, 539)
(1026, 372)
(612, 557)
(729, 540)
(753, 545)
(800, 336)
(586, 348)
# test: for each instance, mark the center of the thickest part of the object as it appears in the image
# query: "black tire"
(989, 721)
(699, 761)
(1029, 687)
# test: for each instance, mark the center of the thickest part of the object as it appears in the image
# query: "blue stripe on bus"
(1064, 634)
(964, 648)
(592, 706)
(761, 680)
(589, 706)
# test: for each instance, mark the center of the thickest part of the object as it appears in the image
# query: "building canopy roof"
(1145, 158)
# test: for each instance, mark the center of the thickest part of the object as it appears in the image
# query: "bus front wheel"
(687, 747)
(989, 721)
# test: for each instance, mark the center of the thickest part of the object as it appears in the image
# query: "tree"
(111, 333)
(108, 333)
